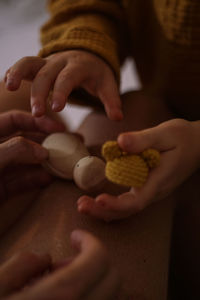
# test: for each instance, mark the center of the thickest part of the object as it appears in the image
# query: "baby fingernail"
(56, 106)
(119, 115)
(116, 114)
(124, 140)
(9, 80)
(80, 201)
(80, 206)
(36, 110)
(82, 209)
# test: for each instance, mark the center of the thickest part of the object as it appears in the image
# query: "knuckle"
(43, 74)
(66, 75)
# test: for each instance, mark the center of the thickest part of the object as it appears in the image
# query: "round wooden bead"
(89, 173)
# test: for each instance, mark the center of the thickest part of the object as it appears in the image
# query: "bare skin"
(178, 141)
(35, 277)
(21, 157)
(136, 244)
(63, 72)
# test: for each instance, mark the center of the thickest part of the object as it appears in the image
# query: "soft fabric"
(162, 36)
(126, 169)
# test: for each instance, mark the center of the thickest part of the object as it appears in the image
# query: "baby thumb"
(138, 141)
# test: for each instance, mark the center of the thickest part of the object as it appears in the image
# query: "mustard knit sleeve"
(93, 25)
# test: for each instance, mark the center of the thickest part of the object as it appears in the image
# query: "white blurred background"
(20, 21)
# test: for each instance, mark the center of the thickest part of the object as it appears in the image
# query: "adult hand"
(89, 275)
(63, 72)
(20, 157)
(179, 145)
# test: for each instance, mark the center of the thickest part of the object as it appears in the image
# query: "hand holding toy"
(128, 169)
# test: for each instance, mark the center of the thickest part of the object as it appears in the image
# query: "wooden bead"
(89, 173)
(65, 150)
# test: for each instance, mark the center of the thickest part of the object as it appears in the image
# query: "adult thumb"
(19, 150)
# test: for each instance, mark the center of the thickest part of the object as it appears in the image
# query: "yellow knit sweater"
(162, 36)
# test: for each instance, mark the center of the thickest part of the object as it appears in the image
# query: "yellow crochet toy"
(128, 169)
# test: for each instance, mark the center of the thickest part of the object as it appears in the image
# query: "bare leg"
(139, 246)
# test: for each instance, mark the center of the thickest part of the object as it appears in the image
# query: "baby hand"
(63, 72)
(178, 143)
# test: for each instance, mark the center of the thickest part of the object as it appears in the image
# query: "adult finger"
(47, 125)
(77, 278)
(15, 120)
(36, 137)
(21, 151)
(26, 68)
(42, 85)
(68, 79)
(20, 269)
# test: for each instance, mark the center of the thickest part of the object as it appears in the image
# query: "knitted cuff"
(86, 39)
